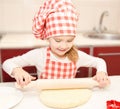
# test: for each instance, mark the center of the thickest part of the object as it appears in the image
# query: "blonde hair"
(72, 54)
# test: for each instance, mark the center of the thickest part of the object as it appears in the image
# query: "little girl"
(56, 22)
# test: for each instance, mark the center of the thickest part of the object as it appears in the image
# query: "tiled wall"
(16, 15)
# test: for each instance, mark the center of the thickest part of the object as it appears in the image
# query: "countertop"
(97, 101)
(29, 41)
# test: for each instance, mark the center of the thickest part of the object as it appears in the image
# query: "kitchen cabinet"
(83, 71)
(9, 53)
(111, 55)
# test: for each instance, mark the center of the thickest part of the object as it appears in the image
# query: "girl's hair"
(72, 54)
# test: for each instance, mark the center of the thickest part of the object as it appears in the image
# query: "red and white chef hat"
(55, 18)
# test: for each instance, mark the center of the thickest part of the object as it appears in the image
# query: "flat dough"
(65, 99)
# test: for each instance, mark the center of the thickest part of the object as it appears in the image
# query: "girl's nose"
(64, 45)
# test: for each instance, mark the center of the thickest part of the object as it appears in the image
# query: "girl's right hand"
(22, 77)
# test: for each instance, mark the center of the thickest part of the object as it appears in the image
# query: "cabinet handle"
(109, 54)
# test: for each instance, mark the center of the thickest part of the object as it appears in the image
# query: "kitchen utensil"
(62, 83)
(113, 104)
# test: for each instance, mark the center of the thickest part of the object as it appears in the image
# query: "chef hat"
(55, 18)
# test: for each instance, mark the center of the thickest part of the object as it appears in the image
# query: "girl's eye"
(69, 40)
(60, 40)
(57, 40)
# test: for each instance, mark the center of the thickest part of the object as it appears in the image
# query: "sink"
(0, 36)
(107, 35)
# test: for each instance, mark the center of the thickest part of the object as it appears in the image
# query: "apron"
(57, 70)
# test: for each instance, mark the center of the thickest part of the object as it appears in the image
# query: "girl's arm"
(13, 66)
(22, 77)
(101, 76)
(86, 60)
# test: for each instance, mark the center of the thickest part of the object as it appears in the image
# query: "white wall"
(90, 12)
(16, 15)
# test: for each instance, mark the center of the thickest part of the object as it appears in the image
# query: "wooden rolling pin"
(62, 83)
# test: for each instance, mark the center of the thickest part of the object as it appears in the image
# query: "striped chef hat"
(55, 18)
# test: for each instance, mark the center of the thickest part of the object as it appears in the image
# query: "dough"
(65, 99)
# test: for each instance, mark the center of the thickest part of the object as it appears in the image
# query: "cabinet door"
(112, 57)
(9, 53)
(83, 71)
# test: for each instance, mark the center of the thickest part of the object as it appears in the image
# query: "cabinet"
(9, 53)
(112, 57)
(111, 54)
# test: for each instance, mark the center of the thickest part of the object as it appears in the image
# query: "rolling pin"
(61, 83)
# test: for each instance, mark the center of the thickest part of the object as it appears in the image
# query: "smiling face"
(60, 45)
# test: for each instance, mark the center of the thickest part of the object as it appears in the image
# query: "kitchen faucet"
(101, 28)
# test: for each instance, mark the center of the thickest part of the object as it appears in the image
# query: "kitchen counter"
(29, 41)
(97, 101)
(21, 41)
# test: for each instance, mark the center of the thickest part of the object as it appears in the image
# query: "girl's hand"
(102, 78)
(22, 77)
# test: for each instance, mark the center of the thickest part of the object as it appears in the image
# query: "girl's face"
(61, 44)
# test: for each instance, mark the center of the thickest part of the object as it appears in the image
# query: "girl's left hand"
(102, 78)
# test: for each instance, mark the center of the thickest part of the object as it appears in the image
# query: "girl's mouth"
(62, 50)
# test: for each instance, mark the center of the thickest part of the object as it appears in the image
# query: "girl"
(56, 22)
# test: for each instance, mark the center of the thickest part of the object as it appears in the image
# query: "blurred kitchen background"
(17, 15)
(16, 20)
